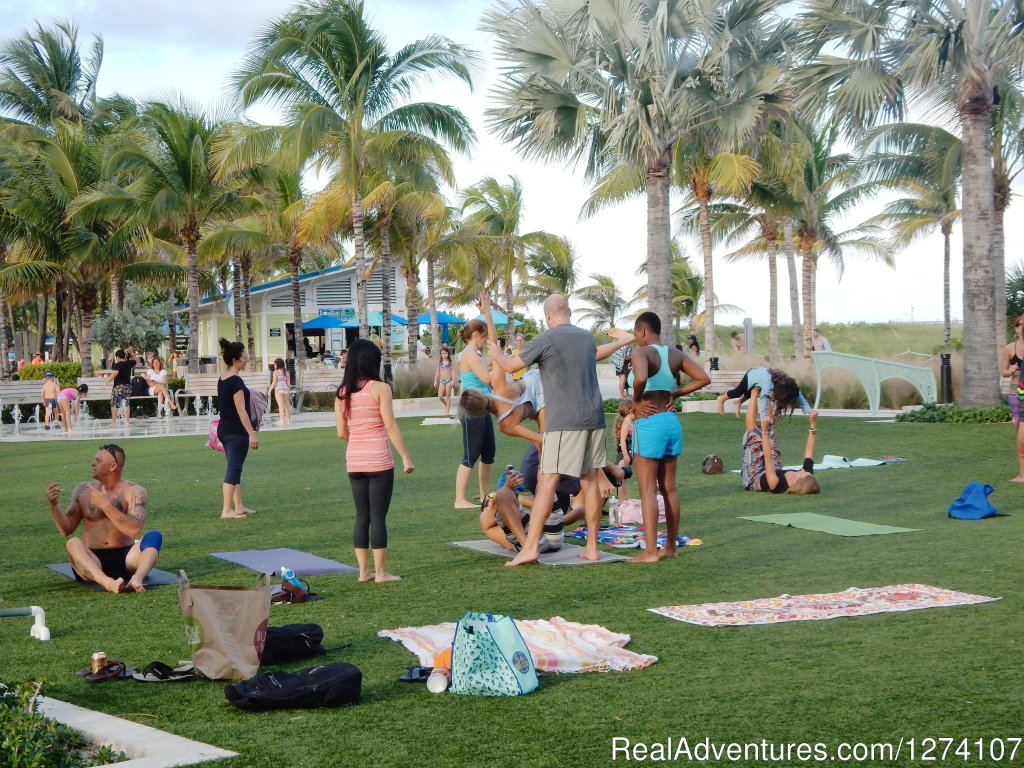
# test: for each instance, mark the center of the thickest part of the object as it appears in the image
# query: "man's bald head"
(556, 310)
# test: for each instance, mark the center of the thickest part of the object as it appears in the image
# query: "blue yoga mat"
(272, 560)
(155, 578)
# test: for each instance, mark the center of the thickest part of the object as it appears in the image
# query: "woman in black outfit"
(235, 430)
(121, 389)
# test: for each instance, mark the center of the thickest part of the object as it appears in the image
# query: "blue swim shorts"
(658, 436)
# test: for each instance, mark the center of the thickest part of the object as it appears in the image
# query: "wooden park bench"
(18, 393)
(723, 381)
(202, 388)
(317, 379)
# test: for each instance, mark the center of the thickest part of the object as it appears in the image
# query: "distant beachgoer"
(444, 379)
(737, 342)
(65, 398)
(819, 343)
(692, 345)
(157, 377)
(121, 385)
(281, 387)
(48, 394)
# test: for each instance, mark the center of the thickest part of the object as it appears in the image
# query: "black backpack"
(292, 642)
(140, 387)
(329, 685)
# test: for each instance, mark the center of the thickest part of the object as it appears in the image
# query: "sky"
(157, 47)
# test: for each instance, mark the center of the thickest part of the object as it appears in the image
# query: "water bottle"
(613, 512)
(288, 576)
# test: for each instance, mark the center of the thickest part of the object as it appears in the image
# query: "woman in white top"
(156, 376)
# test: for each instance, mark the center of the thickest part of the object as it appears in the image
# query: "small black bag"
(329, 685)
(140, 387)
(292, 642)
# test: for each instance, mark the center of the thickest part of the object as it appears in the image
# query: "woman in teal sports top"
(477, 431)
(657, 434)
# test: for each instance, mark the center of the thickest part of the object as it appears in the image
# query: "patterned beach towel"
(628, 537)
(556, 645)
(852, 602)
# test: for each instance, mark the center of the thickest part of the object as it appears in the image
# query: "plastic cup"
(438, 680)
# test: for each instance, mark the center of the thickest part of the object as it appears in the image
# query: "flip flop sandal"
(109, 671)
(158, 672)
(416, 674)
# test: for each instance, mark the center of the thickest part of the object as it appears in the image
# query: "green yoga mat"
(826, 524)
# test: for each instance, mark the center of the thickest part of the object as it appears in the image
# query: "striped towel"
(556, 645)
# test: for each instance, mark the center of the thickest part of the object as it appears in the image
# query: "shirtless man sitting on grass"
(114, 511)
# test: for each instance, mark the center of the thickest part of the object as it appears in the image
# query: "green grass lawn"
(953, 672)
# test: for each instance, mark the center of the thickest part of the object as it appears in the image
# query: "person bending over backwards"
(778, 389)
(761, 467)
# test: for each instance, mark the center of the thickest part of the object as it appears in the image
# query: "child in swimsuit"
(444, 380)
(281, 387)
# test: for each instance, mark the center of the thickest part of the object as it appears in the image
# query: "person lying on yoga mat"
(760, 474)
(778, 390)
(113, 511)
(506, 521)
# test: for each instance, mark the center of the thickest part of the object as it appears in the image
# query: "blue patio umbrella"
(500, 318)
(444, 319)
(324, 322)
(376, 319)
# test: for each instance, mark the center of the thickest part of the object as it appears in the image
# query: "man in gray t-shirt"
(573, 443)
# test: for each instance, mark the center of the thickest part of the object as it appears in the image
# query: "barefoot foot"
(384, 577)
(668, 552)
(134, 586)
(116, 586)
(524, 556)
(464, 504)
(1017, 479)
(590, 553)
(232, 516)
(364, 577)
(720, 404)
(645, 557)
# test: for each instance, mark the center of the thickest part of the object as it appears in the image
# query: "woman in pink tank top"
(365, 419)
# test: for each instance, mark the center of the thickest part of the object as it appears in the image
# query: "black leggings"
(371, 492)
(477, 440)
(742, 389)
(236, 448)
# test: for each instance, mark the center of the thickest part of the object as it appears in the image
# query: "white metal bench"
(18, 393)
(317, 379)
(871, 372)
(723, 381)
(201, 388)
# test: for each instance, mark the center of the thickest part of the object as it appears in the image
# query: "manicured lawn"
(953, 672)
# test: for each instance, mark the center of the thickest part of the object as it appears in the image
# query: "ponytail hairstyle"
(231, 350)
(362, 365)
(472, 327)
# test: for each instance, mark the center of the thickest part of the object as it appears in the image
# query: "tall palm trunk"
(432, 306)
(659, 248)
(191, 238)
(56, 354)
(773, 294)
(88, 300)
(360, 260)
(1001, 200)
(980, 372)
(250, 341)
(236, 292)
(295, 264)
(794, 292)
(4, 366)
(947, 325)
(703, 192)
(510, 327)
(172, 326)
(385, 292)
(43, 307)
(412, 311)
(807, 286)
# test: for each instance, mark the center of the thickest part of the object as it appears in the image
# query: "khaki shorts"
(573, 453)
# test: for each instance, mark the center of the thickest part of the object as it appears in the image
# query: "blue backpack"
(973, 503)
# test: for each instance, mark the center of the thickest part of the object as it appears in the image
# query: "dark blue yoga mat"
(272, 560)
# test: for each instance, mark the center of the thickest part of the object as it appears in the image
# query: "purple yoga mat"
(272, 560)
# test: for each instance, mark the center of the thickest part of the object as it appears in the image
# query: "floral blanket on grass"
(556, 645)
(852, 602)
(628, 537)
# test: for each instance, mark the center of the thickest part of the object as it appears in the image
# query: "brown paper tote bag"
(226, 627)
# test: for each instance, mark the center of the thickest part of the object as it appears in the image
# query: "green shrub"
(415, 382)
(29, 740)
(932, 413)
(67, 373)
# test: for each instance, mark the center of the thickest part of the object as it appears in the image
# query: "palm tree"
(605, 302)
(922, 161)
(169, 179)
(875, 53)
(1008, 162)
(551, 265)
(342, 93)
(497, 211)
(687, 291)
(621, 82)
